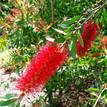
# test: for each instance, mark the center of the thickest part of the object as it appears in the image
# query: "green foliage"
(6, 103)
(9, 100)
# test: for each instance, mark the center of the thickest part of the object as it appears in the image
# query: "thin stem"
(99, 97)
(95, 11)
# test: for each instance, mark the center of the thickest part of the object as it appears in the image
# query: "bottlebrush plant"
(42, 67)
(88, 36)
(27, 24)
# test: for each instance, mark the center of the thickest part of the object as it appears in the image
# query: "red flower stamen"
(42, 67)
(88, 36)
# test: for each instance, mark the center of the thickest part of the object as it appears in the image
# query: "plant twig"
(94, 11)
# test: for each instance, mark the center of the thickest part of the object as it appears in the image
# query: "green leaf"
(63, 25)
(75, 18)
(60, 40)
(105, 99)
(73, 47)
(9, 95)
(93, 89)
(69, 22)
(82, 28)
(81, 41)
(105, 15)
(7, 102)
(60, 31)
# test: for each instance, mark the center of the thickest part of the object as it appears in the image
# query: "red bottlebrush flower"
(88, 36)
(42, 67)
